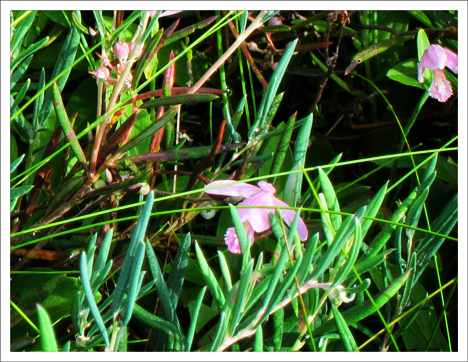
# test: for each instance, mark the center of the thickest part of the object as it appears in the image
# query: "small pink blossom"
(121, 49)
(437, 58)
(101, 73)
(254, 220)
(131, 46)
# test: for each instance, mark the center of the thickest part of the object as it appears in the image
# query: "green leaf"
(48, 342)
(209, 277)
(194, 319)
(344, 332)
(331, 199)
(179, 266)
(240, 298)
(242, 236)
(19, 32)
(270, 92)
(63, 64)
(20, 71)
(419, 14)
(20, 191)
(406, 72)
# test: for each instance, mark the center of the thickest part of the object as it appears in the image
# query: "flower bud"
(121, 49)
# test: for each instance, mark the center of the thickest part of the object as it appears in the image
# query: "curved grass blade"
(258, 342)
(90, 298)
(103, 253)
(372, 209)
(48, 341)
(154, 321)
(134, 283)
(30, 50)
(363, 310)
(343, 330)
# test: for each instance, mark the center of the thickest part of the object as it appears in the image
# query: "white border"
(234, 5)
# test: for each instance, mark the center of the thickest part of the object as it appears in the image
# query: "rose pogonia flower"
(437, 58)
(254, 220)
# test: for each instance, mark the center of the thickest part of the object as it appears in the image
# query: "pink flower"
(437, 58)
(254, 220)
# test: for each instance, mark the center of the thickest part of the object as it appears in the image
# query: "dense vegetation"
(346, 121)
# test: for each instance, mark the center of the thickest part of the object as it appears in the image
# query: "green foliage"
(107, 179)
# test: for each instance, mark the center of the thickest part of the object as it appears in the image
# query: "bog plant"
(132, 230)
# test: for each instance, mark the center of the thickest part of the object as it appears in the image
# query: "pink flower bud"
(101, 73)
(275, 21)
(121, 49)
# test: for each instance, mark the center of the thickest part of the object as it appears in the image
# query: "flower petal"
(440, 88)
(434, 57)
(420, 73)
(265, 186)
(452, 61)
(288, 217)
(241, 189)
(232, 240)
(258, 218)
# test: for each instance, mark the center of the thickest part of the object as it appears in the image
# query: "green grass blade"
(431, 243)
(134, 282)
(270, 92)
(372, 209)
(280, 154)
(103, 251)
(363, 310)
(64, 62)
(345, 231)
(21, 94)
(67, 127)
(209, 278)
(179, 266)
(225, 270)
(193, 322)
(343, 272)
(292, 190)
(241, 297)
(258, 341)
(20, 31)
(345, 333)
(331, 199)
(149, 131)
(161, 287)
(48, 341)
(26, 53)
(90, 298)
(154, 321)
(242, 235)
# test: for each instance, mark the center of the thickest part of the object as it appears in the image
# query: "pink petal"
(288, 217)
(434, 57)
(258, 218)
(232, 240)
(240, 189)
(440, 88)
(265, 186)
(420, 73)
(452, 61)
